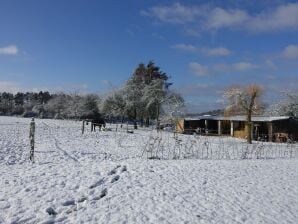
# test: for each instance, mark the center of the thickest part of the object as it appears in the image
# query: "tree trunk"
(135, 119)
(147, 122)
(142, 122)
(248, 127)
(122, 119)
(157, 117)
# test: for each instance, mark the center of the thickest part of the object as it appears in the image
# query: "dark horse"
(97, 122)
(95, 119)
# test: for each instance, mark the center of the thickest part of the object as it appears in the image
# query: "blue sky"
(205, 46)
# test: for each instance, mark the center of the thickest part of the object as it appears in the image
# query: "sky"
(204, 46)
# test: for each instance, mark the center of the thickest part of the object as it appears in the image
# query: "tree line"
(144, 97)
(47, 105)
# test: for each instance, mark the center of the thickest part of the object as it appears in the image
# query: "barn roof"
(239, 118)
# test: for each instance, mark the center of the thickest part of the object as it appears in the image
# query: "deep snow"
(102, 178)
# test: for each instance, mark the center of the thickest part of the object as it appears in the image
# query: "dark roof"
(239, 118)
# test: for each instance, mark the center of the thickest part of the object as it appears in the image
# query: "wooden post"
(252, 131)
(83, 127)
(206, 126)
(232, 128)
(31, 137)
(219, 128)
(270, 132)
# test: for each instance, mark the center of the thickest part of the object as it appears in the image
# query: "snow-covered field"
(105, 177)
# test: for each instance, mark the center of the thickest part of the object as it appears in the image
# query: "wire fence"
(145, 143)
(215, 148)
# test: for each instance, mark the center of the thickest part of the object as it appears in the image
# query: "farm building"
(277, 129)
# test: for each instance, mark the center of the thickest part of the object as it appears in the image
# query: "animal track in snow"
(115, 178)
(68, 203)
(103, 193)
(124, 168)
(98, 183)
(82, 199)
(104, 181)
(51, 211)
(113, 171)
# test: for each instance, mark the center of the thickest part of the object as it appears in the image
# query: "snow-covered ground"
(105, 177)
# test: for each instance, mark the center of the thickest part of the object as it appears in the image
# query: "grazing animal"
(97, 122)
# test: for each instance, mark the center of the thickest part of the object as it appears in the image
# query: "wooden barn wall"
(180, 126)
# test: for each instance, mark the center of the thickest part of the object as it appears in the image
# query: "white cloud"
(198, 69)
(185, 47)
(175, 14)
(9, 50)
(270, 64)
(193, 32)
(203, 70)
(11, 87)
(282, 17)
(219, 18)
(243, 66)
(235, 67)
(218, 51)
(291, 51)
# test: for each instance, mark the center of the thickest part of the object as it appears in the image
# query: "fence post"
(31, 138)
(83, 127)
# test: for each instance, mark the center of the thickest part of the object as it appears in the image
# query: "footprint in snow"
(82, 199)
(116, 178)
(68, 203)
(113, 171)
(51, 211)
(124, 168)
(98, 183)
(103, 193)
(72, 209)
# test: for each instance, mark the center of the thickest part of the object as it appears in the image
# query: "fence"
(143, 143)
(215, 148)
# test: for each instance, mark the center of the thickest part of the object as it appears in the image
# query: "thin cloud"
(174, 14)
(157, 36)
(270, 64)
(282, 17)
(185, 47)
(220, 18)
(234, 67)
(291, 52)
(243, 66)
(199, 69)
(204, 70)
(9, 50)
(192, 32)
(218, 51)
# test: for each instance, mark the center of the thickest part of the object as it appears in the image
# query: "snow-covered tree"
(133, 93)
(244, 100)
(57, 105)
(288, 106)
(114, 104)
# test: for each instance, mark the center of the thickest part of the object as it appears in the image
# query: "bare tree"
(244, 100)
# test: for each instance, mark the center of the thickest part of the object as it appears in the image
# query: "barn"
(265, 128)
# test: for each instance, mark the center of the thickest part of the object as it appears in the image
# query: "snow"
(239, 118)
(102, 177)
